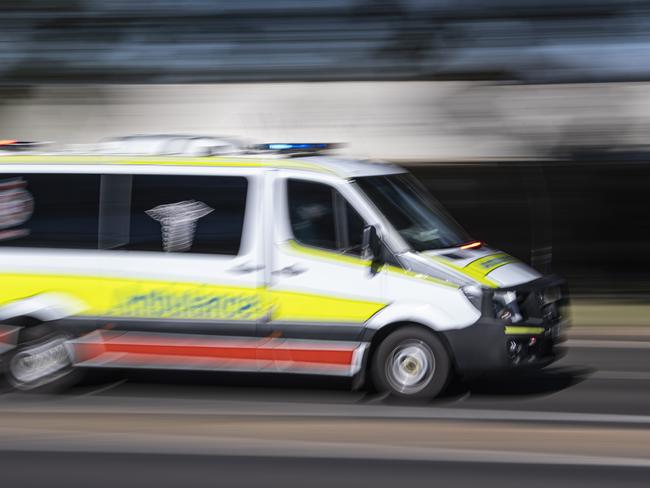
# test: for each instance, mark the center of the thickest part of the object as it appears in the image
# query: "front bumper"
(490, 346)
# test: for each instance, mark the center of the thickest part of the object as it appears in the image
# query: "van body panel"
(285, 301)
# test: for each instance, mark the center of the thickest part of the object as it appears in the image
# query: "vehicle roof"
(344, 168)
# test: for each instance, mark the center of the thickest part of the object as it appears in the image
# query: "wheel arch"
(43, 307)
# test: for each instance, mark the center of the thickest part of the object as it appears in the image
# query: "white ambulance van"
(311, 265)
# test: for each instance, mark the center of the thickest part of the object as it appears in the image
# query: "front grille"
(543, 301)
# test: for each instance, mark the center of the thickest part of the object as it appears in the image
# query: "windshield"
(412, 211)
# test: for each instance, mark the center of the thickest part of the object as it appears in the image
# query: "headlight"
(506, 307)
(475, 295)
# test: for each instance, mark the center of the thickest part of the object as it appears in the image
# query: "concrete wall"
(404, 120)
(392, 120)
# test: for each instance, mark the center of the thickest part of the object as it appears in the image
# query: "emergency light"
(290, 147)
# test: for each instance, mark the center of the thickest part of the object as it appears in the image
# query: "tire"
(411, 363)
(41, 362)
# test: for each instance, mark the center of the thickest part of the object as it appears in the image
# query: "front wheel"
(411, 363)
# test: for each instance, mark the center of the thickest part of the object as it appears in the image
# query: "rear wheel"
(411, 363)
(41, 361)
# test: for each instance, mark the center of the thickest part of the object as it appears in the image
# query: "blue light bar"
(295, 147)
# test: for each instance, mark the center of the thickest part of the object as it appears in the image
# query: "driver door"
(322, 291)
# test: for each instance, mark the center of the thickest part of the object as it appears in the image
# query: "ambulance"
(282, 260)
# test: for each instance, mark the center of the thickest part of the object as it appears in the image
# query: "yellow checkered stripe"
(122, 297)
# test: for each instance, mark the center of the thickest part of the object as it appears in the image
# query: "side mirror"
(372, 249)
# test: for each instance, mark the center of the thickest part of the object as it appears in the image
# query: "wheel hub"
(34, 364)
(410, 366)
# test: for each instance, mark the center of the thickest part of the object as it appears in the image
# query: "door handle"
(291, 270)
(246, 268)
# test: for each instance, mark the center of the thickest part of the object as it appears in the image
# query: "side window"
(49, 210)
(311, 211)
(198, 214)
(321, 217)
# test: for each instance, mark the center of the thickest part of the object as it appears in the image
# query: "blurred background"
(527, 119)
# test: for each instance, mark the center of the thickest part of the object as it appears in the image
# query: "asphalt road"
(109, 470)
(585, 421)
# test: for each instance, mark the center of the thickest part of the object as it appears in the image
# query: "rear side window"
(321, 217)
(49, 210)
(197, 214)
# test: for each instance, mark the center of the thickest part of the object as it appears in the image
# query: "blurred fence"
(184, 41)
